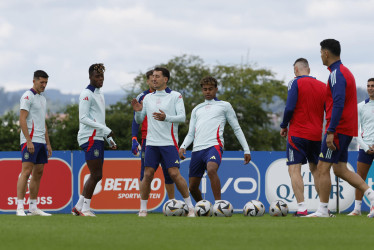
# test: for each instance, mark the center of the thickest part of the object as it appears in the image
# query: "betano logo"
(119, 188)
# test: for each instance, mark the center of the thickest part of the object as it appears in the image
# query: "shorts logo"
(291, 156)
(177, 162)
(321, 155)
(213, 157)
(26, 156)
(96, 153)
(328, 153)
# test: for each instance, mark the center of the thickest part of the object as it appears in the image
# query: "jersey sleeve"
(360, 140)
(291, 103)
(25, 101)
(233, 121)
(84, 118)
(191, 131)
(337, 85)
(180, 117)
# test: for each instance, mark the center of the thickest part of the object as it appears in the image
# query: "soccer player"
(341, 126)
(206, 128)
(169, 184)
(35, 145)
(365, 139)
(91, 134)
(164, 109)
(304, 114)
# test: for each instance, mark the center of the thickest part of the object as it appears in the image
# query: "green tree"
(9, 132)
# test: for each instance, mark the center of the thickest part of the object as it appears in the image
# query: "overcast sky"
(65, 37)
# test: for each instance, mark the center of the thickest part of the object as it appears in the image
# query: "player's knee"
(148, 176)
(97, 177)
(212, 172)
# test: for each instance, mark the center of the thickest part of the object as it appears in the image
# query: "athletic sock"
(79, 204)
(86, 204)
(369, 193)
(188, 202)
(20, 204)
(358, 205)
(32, 205)
(301, 207)
(323, 208)
(143, 205)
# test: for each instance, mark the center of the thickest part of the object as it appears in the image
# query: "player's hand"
(135, 148)
(283, 132)
(330, 141)
(30, 147)
(159, 116)
(370, 151)
(49, 149)
(136, 105)
(247, 158)
(182, 152)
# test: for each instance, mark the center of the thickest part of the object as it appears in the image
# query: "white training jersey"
(207, 124)
(92, 116)
(365, 124)
(35, 104)
(162, 133)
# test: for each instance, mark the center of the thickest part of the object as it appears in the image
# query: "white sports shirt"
(92, 116)
(162, 133)
(35, 104)
(365, 124)
(207, 123)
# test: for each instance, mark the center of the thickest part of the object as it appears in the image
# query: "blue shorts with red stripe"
(93, 150)
(299, 150)
(167, 177)
(167, 156)
(200, 159)
(341, 143)
(40, 155)
(365, 157)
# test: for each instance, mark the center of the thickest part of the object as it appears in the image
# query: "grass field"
(128, 231)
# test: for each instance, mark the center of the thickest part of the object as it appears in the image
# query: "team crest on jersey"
(26, 155)
(85, 99)
(27, 98)
(96, 153)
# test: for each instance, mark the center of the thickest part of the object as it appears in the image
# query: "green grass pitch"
(128, 231)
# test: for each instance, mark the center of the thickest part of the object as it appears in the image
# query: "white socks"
(19, 204)
(143, 205)
(323, 208)
(301, 207)
(188, 202)
(32, 205)
(79, 204)
(86, 204)
(358, 205)
(369, 193)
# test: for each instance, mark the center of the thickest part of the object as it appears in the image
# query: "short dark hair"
(331, 45)
(208, 80)
(371, 80)
(165, 71)
(149, 73)
(98, 67)
(303, 61)
(40, 73)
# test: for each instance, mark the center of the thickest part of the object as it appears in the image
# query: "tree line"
(250, 91)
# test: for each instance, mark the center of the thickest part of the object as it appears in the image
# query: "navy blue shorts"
(167, 177)
(200, 159)
(364, 157)
(167, 156)
(341, 143)
(40, 155)
(299, 150)
(93, 150)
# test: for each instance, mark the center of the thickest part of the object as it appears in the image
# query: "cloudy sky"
(64, 37)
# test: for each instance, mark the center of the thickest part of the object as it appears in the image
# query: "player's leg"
(194, 183)
(145, 185)
(215, 183)
(22, 186)
(315, 173)
(297, 183)
(169, 184)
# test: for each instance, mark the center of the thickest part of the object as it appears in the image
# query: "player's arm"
(180, 117)
(290, 106)
(233, 121)
(360, 140)
(140, 109)
(135, 147)
(84, 108)
(189, 137)
(49, 147)
(23, 124)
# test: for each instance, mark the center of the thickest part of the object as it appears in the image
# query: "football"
(185, 208)
(278, 208)
(173, 208)
(223, 208)
(203, 208)
(254, 208)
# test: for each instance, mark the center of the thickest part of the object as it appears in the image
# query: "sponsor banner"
(55, 193)
(278, 187)
(119, 188)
